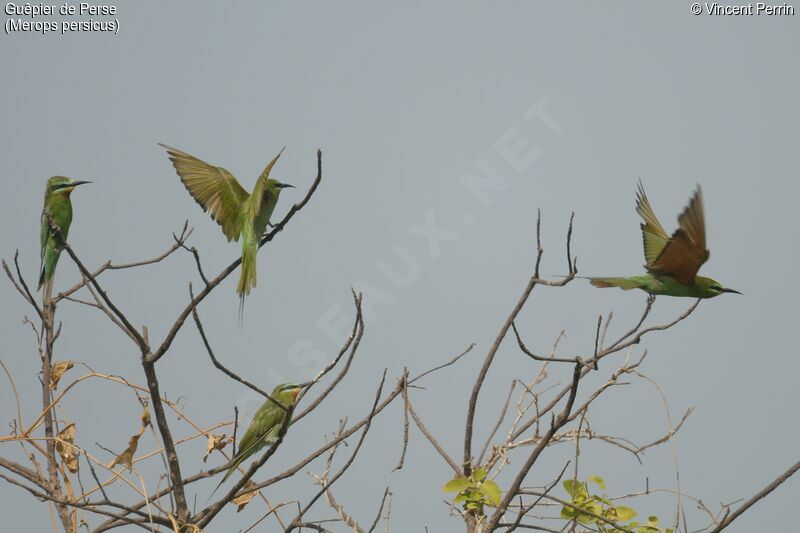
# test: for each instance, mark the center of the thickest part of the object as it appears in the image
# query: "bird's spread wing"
(261, 184)
(686, 250)
(653, 234)
(214, 188)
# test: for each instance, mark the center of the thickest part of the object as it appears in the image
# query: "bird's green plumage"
(266, 425)
(238, 213)
(664, 285)
(57, 210)
(654, 236)
(672, 262)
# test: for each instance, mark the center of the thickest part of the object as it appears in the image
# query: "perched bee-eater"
(266, 424)
(672, 262)
(58, 206)
(236, 211)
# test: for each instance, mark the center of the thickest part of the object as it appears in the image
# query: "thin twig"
(759, 495)
(298, 519)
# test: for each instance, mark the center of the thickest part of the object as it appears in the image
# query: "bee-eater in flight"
(266, 424)
(236, 211)
(672, 262)
(57, 211)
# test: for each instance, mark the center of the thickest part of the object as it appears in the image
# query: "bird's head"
(712, 287)
(276, 185)
(62, 185)
(287, 393)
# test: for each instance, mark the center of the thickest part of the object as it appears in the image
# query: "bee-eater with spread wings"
(239, 213)
(672, 262)
(266, 424)
(57, 211)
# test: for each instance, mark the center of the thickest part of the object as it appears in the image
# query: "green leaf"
(601, 499)
(457, 484)
(597, 479)
(460, 498)
(594, 507)
(473, 493)
(492, 492)
(572, 486)
(568, 513)
(652, 521)
(624, 513)
(479, 474)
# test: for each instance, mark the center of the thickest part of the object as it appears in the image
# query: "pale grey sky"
(405, 102)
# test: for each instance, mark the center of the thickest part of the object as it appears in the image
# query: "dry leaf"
(126, 457)
(245, 498)
(57, 370)
(216, 442)
(64, 446)
(145, 418)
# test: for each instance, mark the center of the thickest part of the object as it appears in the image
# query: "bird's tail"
(224, 479)
(247, 277)
(47, 271)
(48, 286)
(237, 460)
(623, 283)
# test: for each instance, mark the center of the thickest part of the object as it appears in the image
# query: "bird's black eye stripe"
(59, 186)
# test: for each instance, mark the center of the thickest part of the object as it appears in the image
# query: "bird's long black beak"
(76, 183)
(731, 290)
(287, 186)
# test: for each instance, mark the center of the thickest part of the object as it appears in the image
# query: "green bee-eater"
(58, 206)
(672, 262)
(266, 425)
(236, 211)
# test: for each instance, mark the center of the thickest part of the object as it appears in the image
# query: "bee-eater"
(58, 211)
(266, 424)
(672, 262)
(236, 211)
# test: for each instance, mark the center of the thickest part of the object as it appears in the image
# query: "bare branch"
(758, 496)
(352, 343)
(452, 361)
(108, 265)
(401, 462)
(473, 400)
(298, 519)
(222, 368)
(132, 331)
(499, 422)
(526, 510)
(557, 423)
(169, 445)
(21, 286)
(380, 510)
(424, 430)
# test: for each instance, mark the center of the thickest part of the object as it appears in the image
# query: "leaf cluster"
(474, 491)
(590, 509)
